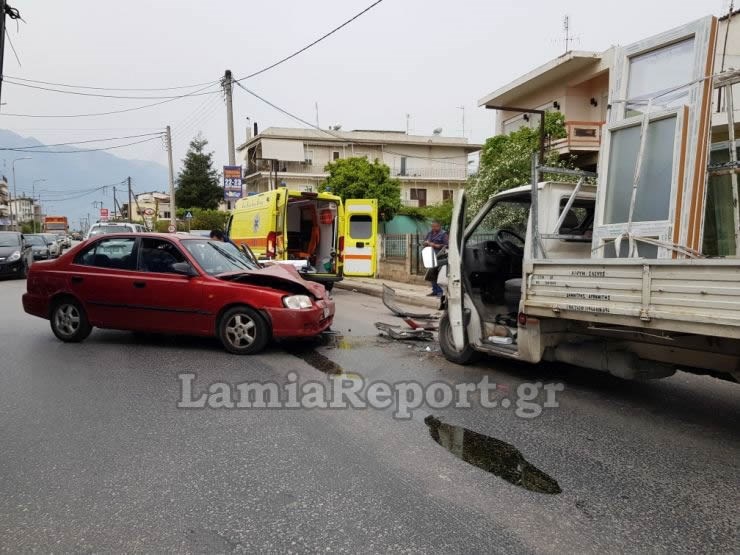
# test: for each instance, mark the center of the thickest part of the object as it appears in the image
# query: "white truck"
(613, 277)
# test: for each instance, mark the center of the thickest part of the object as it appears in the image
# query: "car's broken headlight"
(297, 301)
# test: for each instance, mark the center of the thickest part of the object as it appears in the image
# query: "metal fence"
(394, 245)
(403, 247)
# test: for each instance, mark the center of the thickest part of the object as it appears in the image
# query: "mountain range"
(75, 172)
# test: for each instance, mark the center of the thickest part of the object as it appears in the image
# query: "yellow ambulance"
(324, 238)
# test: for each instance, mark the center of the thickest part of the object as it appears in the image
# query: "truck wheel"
(243, 331)
(467, 356)
(69, 321)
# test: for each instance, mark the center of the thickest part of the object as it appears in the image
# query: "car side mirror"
(184, 269)
(429, 257)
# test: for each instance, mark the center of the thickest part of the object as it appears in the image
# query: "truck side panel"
(690, 296)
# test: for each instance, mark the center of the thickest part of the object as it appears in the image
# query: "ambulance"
(323, 237)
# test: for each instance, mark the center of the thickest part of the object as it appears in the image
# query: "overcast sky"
(419, 57)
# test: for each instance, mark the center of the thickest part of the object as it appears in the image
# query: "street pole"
(130, 201)
(12, 165)
(2, 42)
(173, 218)
(115, 203)
(228, 85)
(33, 198)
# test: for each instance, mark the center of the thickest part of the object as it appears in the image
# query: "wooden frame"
(688, 179)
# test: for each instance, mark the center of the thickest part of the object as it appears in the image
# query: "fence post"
(409, 254)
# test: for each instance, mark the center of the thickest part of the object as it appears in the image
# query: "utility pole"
(463, 118)
(128, 180)
(228, 84)
(115, 203)
(33, 197)
(12, 165)
(173, 218)
(2, 42)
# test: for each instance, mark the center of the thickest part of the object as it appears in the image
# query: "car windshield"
(9, 240)
(100, 230)
(35, 240)
(216, 257)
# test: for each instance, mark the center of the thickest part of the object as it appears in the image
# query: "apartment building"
(430, 168)
(148, 205)
(22, 209)
(5, 222)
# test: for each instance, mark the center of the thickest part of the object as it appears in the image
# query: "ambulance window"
(360, 226)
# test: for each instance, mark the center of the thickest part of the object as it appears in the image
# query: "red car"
(165, 283)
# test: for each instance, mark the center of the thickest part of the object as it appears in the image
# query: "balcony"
(458, 172)
(582, 136)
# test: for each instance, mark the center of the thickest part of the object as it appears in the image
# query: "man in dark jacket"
(437, 239)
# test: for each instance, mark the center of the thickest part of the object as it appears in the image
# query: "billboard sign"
(232, 182)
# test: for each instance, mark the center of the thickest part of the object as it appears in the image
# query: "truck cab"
(486, 260)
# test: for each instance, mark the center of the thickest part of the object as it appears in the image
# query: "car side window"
(115, 253)
(158, 256)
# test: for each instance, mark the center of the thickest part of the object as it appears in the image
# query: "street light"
(15, 191)
(33, 197)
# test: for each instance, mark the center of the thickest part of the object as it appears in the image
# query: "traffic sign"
(188, 216)
(171, 229)
(104, 214)
(149, 212)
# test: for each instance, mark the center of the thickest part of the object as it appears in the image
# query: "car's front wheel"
(243, 331)
(69, 321)
(467, 356)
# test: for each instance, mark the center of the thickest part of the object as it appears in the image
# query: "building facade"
(430, 168)
(148, 207)
(22, 209)
(5, 222)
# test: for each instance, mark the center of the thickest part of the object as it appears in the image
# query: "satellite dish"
(336, 127)
(437, 131)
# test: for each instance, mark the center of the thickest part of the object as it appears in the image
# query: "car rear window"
(117, 253)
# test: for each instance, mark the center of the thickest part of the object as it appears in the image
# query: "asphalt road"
(95, 455)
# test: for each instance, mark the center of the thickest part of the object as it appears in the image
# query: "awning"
(284, 150)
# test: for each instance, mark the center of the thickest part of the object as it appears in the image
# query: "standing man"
(437, 239)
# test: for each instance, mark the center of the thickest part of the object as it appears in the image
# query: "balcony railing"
(581, 135)
(431, 173)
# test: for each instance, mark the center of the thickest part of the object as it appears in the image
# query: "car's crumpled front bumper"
(304, 322)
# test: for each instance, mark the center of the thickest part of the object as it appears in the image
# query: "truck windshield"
(216, 257)
(510, 215)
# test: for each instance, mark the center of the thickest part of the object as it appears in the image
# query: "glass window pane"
(654, 186)
(360, 226)
(660, 70)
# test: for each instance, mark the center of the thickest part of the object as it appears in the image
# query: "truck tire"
(467, 356)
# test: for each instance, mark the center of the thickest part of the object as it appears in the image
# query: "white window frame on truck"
(693, 98)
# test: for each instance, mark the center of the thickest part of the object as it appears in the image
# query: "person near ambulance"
(438, 239)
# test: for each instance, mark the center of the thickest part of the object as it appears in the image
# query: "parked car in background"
(66, 241)
(101, 228)
(39, 246)
(16, 255)
(175, 284)
(55, 247)
(76, 236)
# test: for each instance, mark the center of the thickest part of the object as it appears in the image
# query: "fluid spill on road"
(492, 455)
(317, 360)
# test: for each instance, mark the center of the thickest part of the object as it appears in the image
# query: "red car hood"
(279, 276)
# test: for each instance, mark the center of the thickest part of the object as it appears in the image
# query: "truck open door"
(455, 309)
(361, 237)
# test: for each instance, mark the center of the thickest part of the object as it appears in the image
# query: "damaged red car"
(166, 283)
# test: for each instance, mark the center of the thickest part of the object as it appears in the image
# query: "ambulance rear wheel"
(329, 285)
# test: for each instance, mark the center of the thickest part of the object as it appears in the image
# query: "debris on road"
(431, 325)
(389, 300)
(398, 333)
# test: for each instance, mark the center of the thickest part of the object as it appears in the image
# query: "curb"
(425, 302)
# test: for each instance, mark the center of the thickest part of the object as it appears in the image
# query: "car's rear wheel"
(69, 321)
(467, 356)
(243, 331)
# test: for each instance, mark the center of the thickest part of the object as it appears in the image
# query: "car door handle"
(360, 245)
(140, 284)
(76, 279)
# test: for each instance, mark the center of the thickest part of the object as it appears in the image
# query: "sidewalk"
(406, 293)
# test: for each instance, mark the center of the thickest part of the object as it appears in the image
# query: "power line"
(88, 141)
(111, 112)
(98, 95)
(111, 88)
(318, 40)
(79, 151)
(309, 124)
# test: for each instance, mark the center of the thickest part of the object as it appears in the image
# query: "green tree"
(506, 160)
(357, 178)
(198, 181)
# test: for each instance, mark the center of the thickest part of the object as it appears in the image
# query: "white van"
(101, 228)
